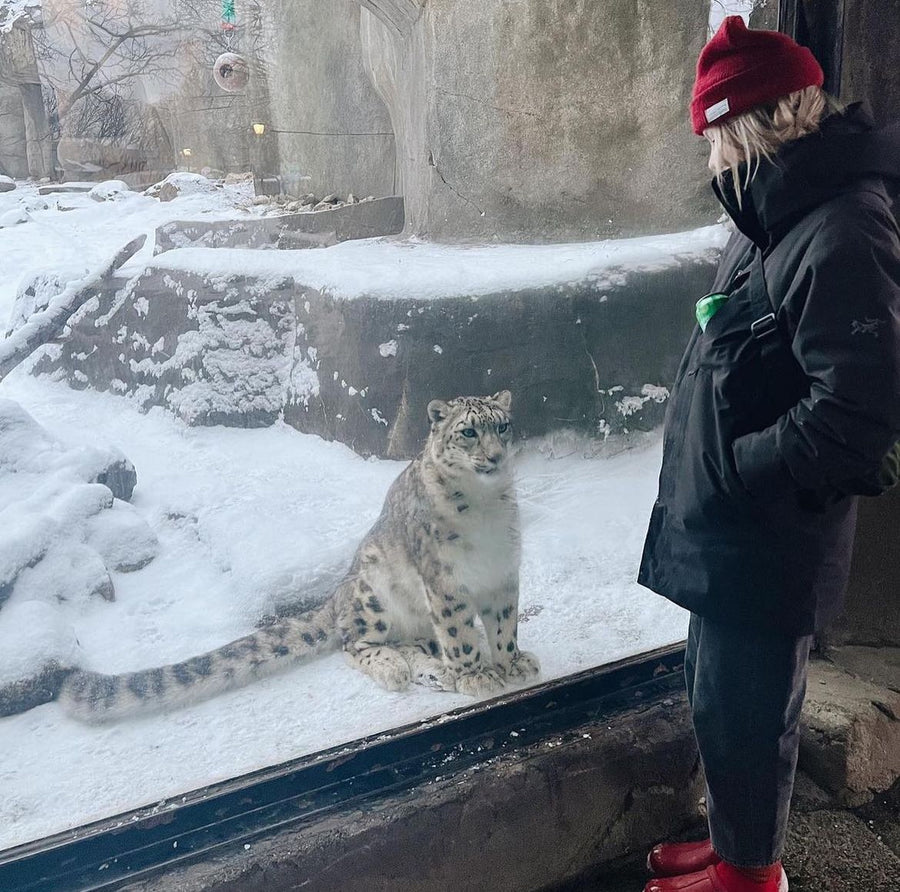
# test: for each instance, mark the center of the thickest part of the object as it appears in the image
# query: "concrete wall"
(870, 69)
(309, 229)
(537, 120)
(25, 146)
(213, 124)
(508, 120)
(400, 15)
(329, 122)
(872, 612)
(13, 147)
(870, 73)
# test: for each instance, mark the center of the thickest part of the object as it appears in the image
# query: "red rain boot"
(673, 859)
(719, 877)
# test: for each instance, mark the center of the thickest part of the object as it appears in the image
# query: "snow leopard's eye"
(503, 428)
(469, 432)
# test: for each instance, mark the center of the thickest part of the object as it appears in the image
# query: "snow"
(109, 190)
(62, 532)
(392, 269)
(13, 11)
(185, 183)
(79, 233)
(13, 218)
(246, 519)
(50, 637)
(719, 9)
(242, 521)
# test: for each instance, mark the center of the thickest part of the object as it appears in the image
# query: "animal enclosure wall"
(543, 121)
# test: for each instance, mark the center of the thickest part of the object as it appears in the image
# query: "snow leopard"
(431, 596)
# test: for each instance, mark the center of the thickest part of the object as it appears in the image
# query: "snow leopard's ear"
(438, 410)
(503, 399)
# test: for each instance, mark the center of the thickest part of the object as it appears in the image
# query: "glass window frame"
(146, 842)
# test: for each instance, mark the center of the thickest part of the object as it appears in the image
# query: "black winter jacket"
(756, 512)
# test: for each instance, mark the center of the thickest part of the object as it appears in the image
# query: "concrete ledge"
(850, 742)
(515, 824)
(366, 219)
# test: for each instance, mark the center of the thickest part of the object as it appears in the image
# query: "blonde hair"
(748, 138)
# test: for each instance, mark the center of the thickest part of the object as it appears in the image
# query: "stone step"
(850, 743)
(306, 229)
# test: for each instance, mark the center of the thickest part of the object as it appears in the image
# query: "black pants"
(746, 689)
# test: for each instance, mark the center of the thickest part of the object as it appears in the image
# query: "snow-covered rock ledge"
(307, 229)
(352, 341)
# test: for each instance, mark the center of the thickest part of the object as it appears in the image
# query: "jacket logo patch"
(867, 326)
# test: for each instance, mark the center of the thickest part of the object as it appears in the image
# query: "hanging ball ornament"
(231, 72)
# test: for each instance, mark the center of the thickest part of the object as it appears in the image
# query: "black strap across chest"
(773, 341)
(760, 301)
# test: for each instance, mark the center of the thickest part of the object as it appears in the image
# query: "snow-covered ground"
(246, 519)
(13, 11)
(68, 234)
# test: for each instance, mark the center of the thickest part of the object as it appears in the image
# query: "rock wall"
(13, 146)
(871, 615)
(218, 347)
(215, 126)
(533, 120)
(870, 69)
(333, 131)
(25, 144)
(544, 119)
(400, 15)
(310, 229)
(206, 348)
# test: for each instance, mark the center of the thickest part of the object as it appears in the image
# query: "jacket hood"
(810, 171)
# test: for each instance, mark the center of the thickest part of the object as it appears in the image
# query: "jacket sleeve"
(847, 341)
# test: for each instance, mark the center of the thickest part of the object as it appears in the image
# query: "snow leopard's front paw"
(523, 667)
(383, 664)
(479, 682)
(438, 677)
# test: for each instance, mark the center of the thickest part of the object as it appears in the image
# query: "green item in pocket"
(707, 307)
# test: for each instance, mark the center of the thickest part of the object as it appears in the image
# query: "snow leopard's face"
(471, 433)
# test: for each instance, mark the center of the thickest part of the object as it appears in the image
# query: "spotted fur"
(430, 598)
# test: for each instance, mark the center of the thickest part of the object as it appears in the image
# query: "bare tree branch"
(109, 44)
(48, 324)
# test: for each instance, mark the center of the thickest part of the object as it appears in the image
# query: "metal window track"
(147, 842)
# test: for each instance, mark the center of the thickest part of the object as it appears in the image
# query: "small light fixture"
(259, 129)
(187, 153)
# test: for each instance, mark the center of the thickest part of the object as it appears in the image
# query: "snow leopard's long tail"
(93, 697)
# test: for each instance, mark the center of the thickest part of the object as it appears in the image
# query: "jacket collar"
(810, 171)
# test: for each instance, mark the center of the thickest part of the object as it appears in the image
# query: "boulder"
(109, 190)
(63, 525)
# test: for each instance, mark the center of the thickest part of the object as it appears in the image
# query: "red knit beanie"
(740, 69)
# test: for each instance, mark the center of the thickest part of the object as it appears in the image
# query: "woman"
(785, 405)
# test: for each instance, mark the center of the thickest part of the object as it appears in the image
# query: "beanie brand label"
(717, 110)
